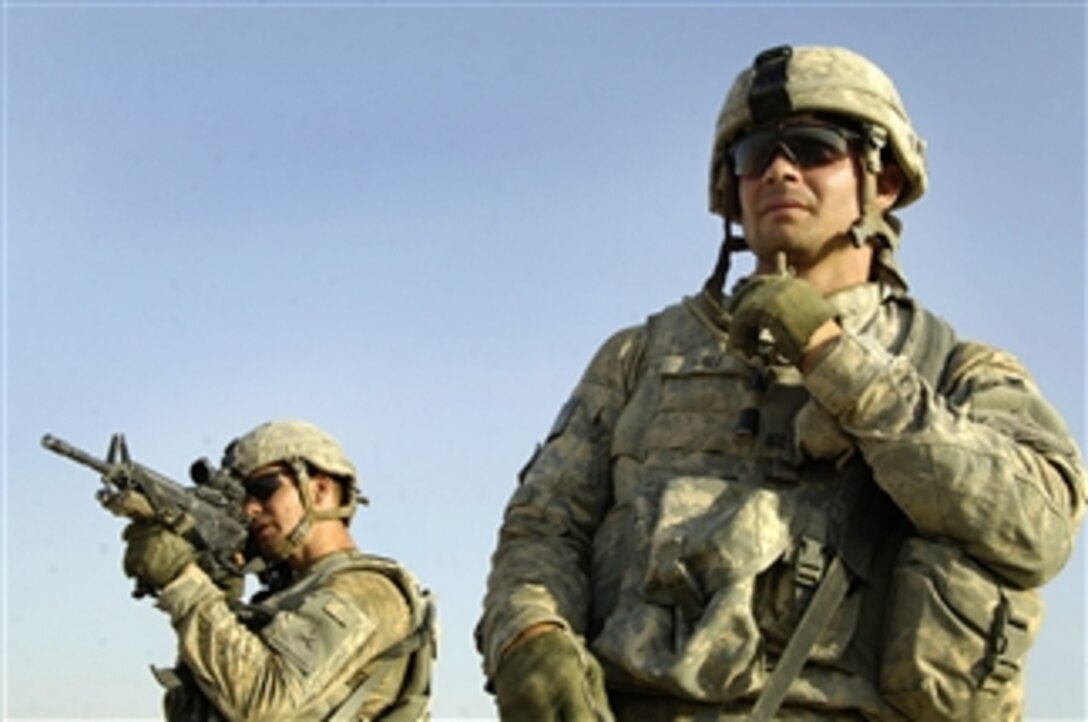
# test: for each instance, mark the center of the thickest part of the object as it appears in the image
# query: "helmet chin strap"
(715, 285)
(874, 227)
(870, 225)
(281, 549)
(882, 230)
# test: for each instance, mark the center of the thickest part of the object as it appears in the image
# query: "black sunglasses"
(806, 146)
(262, 487)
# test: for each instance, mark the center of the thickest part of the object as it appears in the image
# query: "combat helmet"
(832, 81)
(303, 447)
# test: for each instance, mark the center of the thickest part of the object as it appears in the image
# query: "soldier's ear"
(326, 490)
(889, 184)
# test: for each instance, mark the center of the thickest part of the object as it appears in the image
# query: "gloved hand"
(551, 678)
(790, 308)
(128, 503)
(233, 585)
(155, 556)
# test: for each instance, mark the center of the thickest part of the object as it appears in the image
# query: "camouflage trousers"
(628, 707)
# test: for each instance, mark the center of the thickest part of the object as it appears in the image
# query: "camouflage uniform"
(318, 639)
(685, 502)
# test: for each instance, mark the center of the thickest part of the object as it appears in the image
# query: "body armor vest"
(733, 491)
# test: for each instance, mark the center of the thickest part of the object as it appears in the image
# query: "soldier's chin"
(273, 549)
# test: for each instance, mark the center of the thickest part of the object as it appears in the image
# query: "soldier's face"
(272, 504)
(805, 212)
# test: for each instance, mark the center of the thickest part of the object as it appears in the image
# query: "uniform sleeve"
(539, 571)
(303, 663)
(986, 464)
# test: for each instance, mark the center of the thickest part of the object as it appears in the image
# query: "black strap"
(767, 96)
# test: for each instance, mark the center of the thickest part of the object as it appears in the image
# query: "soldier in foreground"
(805, 498)
(344, 635)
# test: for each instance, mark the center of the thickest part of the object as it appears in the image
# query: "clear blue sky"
(413, 225)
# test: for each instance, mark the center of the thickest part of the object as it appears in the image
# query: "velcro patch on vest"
(337, 610)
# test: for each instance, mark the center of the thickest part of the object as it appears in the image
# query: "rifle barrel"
(62, 447)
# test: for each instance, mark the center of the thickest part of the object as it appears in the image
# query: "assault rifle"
(208, 514)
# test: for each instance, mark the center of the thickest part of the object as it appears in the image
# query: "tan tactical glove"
(551, 678)
(155, 556)
(791, 309)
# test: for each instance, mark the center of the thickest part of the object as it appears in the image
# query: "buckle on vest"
(810, 563)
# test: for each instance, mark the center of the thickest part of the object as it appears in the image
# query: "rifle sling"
(821, 608)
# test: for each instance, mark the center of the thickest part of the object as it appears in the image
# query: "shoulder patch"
(324, 623)
(339, 612)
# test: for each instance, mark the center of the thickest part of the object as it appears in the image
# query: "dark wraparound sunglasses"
(806, 146)
(262, 487)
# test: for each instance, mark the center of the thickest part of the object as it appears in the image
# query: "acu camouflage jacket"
(686, 500)
(327, 634)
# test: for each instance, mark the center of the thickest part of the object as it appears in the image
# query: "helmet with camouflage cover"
(828, 80)
(303, 447)
(285, 440)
